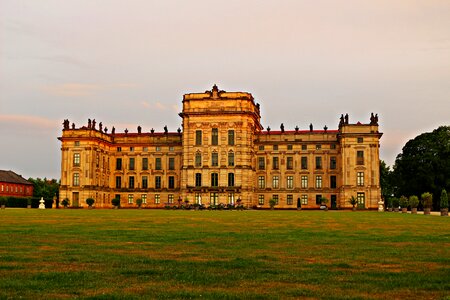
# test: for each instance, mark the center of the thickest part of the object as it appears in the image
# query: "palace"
(222, 155)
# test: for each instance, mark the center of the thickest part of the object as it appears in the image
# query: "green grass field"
(126, 254)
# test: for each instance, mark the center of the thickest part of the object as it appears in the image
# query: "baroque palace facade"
(222, 155)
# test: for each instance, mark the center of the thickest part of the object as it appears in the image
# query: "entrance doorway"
(333, 202)
(75, 199)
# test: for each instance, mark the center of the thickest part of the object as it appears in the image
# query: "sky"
(128, 62)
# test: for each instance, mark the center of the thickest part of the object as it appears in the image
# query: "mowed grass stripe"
(166, 254)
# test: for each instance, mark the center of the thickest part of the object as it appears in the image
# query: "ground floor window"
(231, 198)
(144, 198)
(318, 199)
(198, 198)
(305, 199)
(361, 197)
(170, 198)
(290, 199)
(157, 199)
(275, 197)
(214, 198)
(261, 199)
(130, 199)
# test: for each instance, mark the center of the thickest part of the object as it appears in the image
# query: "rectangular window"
(261, 163)
(145, 149)
(333, 162)
(171, 148)
(290, 163)
(261, 199)
(318, 147)
(198, 198)
(118, 164)
(215, 137)
(275, 182)
(171, 163)
(131, 163)
(290, 199)
(198, 137)
(170, 199)
(157, 148)
(289, 147)
(290, 182)
(360, 157)
(276, 198)
(77, 143)
(304, 163)
(119, 149)
(231, 137)
(360, 179)
(214, 198)
(131, 149)
(157, 182)
(361, 198)
(275, 163)
(318, 162)
(215, 159)
(144, 182)
(198, 179)
(318, 199)
(231, 198)
(304, 182)
(157, 199)
(130, 198)
(360, 140)
(131, 182)
(214, 179)
(304, 147)
(333, 182)
(144, 163)
(76, 180)
(171, 182)
(261, 182)
(118, 182)
(230, 179)
(76, 159)
(305, 199)
(231, 159)
(318, 182)
(275, 147)
(158, 163)
(144, 198)
(198, 159)
(261, 148)
(333, 146)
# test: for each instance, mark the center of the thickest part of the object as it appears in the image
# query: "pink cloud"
(24, 121)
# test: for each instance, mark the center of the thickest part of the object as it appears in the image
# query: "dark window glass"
(214, 179)
(333, 182)
(171, 163)
(198, 179)
(261, 163)
(230, 179)
(230, 159)
(118, 182)
(215, 136)
(144, 182)
(158, 163)
(118, 164)
(131, 163)
(275, 163)
(333, 162)
(198, 159)
(145, 163)
(171, 182)
(304, 162)
(131, 182)
(318, 162)
(198, 137)
(290, 163)
(157, 182)
(360, 157)
(231, 137)
(215, 159)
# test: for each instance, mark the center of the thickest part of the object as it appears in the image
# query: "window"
(130, 198)
(119, 149)
(198, 137)
(304, 162)
(144, 163)
(231, 137)
(318, 182)
(261, 199)
(171, 163)
(361, 198)
(171, 182)
(318, 162)
(76, 159)
(333, 182)
(131, 163)
(275, 197)
(261, 182)
(318, 199)
(360, 179)
(304, 147)
(360, 157)
(214, 179)
(131, 149)
(275, 147)
(214, 198)
(198, 198)
(144, 182)
(171, 148)
(157, 148)
(261, 148)
(76, 180)
(231, 198)
(305, 199)
(198, 159)
(230, 179)
(333, 146)
(158, 163)
(131, 182)
(318, 147)
(77, 143)
(118, 164)
(231, 159)
(290, 182)
(275, 163)
(118, 182)
(198, 179)
(157, 198)
(275, 182)
(157, 182)
(290, 199)
(289, 147)
(333, 162)
(261, 163)
(144, 198)
(214, 159)
(304, 182)
(290, 163)
(215, 137)
(145, 149)
(170, 199)
(360, 140)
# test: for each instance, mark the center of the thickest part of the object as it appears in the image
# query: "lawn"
(126, 254)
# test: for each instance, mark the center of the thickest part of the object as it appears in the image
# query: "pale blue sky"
(128, 63)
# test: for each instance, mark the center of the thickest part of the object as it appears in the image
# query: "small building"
(14, 185)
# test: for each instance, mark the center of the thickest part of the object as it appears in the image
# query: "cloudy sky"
(129, 62)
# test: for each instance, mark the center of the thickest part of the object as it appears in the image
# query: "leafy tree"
(424, 164)
(387, 182)
(46, 188)
(90, 201)
(444, 199)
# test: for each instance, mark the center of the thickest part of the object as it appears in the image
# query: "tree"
(386, 180)
(47, 188)
(423, 164)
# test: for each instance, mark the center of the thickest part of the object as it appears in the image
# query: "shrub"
(65, 202)
(16, 202)
(3, 200)
(390, 202)
(444, 199)
(395, 202)
(403, 201)
(90, 201)
(324, 200)
(139, 202)
(427, 200)
(116, 202)
(353, 201)
(272, 203)
(413, 201)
